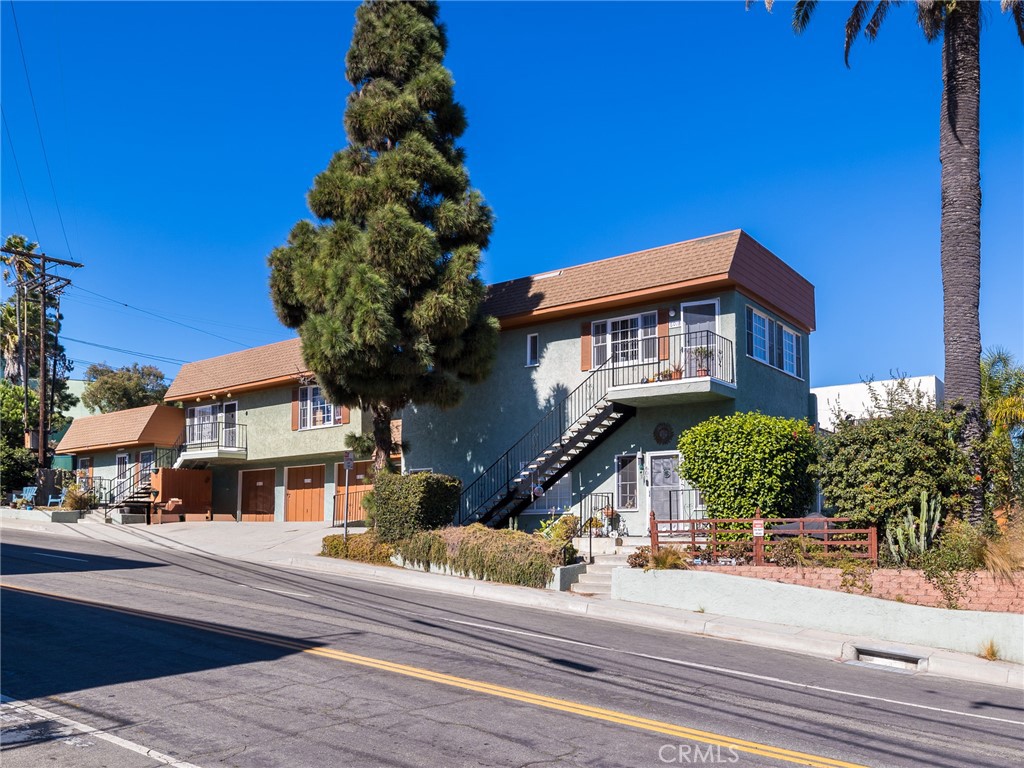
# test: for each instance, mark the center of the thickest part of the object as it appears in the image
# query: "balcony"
(213, 440)
(677, 369)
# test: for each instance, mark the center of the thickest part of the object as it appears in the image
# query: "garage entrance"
(257, 502)
(304, 494)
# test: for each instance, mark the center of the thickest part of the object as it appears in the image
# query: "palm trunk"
(382, 441)
(959, 151)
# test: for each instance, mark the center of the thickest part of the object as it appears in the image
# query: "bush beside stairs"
(598, 578)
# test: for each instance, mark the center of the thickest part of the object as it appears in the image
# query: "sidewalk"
(295, 545)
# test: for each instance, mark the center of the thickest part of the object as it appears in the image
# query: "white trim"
(127, 465)
(615, 483)
(532, 362)
(798, 337)
(651, 455)
(640, 338)
(718, 313)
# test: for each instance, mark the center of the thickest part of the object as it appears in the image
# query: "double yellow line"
(477, 686)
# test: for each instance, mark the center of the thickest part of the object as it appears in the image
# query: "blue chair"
(28, 494)
(57, 501)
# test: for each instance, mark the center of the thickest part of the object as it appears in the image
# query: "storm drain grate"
(894, 660)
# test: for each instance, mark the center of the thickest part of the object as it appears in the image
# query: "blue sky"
(182, 138)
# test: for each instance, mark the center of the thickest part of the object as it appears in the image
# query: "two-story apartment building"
(258, 421)
(600, 368)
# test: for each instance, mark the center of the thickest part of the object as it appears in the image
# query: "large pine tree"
(384, 288)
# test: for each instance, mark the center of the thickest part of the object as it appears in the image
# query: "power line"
(163, 317)
(17, 165)
(128, 351)
(39, 128)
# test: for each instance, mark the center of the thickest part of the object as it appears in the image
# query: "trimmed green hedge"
(364, 547)
(406, 504)
(505, 556)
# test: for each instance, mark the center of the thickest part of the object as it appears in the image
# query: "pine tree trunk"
(961, 230)
(381, 435)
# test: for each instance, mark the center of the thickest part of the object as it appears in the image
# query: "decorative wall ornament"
(663, 433)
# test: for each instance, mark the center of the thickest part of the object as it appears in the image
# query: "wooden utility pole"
(39, 281)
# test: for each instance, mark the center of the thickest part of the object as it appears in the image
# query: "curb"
(808, 642)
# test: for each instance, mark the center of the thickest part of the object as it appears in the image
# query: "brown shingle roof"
(250, 368)
(727, 259)
(159, 425)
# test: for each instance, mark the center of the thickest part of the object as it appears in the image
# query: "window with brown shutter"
(295, 409)
(346, 416)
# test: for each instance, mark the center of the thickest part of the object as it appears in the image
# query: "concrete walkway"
(295, 545)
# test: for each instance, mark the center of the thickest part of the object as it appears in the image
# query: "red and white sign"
(758, 527)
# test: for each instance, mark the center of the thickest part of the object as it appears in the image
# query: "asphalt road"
(174, 656)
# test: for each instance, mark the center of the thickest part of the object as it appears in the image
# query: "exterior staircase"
(564, 435)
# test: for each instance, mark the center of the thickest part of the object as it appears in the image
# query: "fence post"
(873, 544)
(654, 534)
(758, 542)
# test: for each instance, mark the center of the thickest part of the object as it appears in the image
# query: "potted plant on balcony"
(702, 355)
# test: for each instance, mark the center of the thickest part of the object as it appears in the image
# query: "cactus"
(914, 535)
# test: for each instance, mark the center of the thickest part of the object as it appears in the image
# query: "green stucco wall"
(465, 440)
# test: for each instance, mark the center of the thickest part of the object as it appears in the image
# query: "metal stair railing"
(126, 487)
(497, 480)
(634, 361)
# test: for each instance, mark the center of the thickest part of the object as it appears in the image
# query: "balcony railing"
(213, 436)
(693, 355)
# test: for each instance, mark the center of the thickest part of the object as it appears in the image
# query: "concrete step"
(601, 567)
(596, 578)
(591, 589)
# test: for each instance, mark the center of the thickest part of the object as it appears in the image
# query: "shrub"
(748, 461)
(667, 559)
(799, 551)
(506, 556)
(950, 566)
(17, 468)
(79, 499)
(363, 547)
(877, 468)
(405, 504)
(640, 558)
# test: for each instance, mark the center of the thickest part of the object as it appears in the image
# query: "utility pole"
(43, 283)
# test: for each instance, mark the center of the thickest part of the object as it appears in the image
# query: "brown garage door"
(258, 496)
(304, 495)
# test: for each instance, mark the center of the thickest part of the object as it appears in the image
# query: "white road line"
(61, 557)
(739, 673)
(160, 757)
(278, 591)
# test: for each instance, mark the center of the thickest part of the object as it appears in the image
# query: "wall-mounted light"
(671, 313)
(228, 395)
(213, 397)
(199, 399)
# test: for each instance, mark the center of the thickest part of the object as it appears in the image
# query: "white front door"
(229, 431)
(663, 471)
(145, 466)
(122, 465)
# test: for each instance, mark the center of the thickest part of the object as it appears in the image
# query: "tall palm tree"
(958, 23)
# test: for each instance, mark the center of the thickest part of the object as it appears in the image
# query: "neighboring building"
(854, 400)
(119, 449)
(258, 421)
(601, 366)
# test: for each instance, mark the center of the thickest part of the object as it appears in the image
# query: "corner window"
(314, 410)
(774, 344)
(626, 482)
(532, 350)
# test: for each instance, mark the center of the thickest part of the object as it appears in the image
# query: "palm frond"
(878, 17)
(930, 18)
(802, 14)
(854, 24)
(1015, 7)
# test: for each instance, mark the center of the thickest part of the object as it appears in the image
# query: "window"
(626, 481)
(532, 349)
(625, 340)
(121, 461)
(557, 498)
(774, 344)
(314, 410)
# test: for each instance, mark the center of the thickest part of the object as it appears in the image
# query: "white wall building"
(855, 399)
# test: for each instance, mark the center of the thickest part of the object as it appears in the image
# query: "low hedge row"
(364, 547)
(505, 556)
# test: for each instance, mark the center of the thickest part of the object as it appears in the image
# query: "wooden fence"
(711, 539)
(356, 513)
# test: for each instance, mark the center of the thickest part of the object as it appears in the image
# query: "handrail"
(199, 435)
(633, 361)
